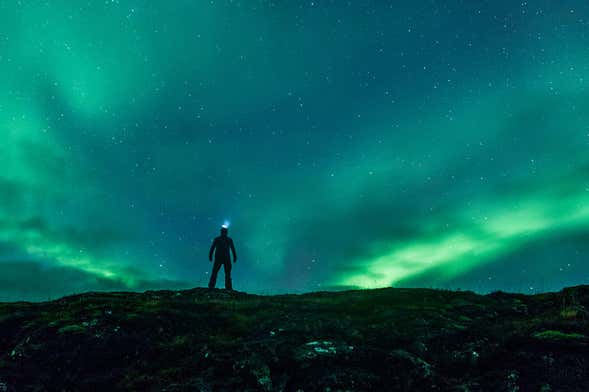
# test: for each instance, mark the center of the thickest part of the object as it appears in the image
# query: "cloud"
(506, 225)
(91, 238)
(543, 265)
(38, 281)
(477, 204)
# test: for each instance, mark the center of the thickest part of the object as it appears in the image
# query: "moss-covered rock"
(558, 335)
(385, 339)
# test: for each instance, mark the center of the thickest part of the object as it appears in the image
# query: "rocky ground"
(387, 339)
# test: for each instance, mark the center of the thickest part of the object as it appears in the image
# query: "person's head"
(223, 230)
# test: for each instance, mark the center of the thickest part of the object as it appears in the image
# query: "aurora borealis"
(348, 144)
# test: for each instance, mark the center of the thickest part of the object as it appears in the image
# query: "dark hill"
(386, 339)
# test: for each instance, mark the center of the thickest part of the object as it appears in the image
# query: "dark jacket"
(222, 244)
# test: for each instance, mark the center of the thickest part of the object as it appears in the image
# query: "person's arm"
(212, 249)
(233, 250)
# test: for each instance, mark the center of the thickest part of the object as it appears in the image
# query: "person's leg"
(228, 285)
(213, 280)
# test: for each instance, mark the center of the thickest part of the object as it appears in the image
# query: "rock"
(255, 366)
(72, 329)
(408, 340)
(555, 335)
(405, 358)
(512, 381)
(419, 348)
(520, 308)
(409, 371)
(470, 386)
(323, 348)
(464, 358)
(262, 373)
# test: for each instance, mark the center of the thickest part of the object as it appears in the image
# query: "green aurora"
(353, 144)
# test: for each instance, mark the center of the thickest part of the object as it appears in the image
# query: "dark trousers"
(216, 268)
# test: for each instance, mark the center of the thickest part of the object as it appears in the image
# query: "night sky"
(348, 144)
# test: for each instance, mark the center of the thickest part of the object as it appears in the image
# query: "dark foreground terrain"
(386, 339)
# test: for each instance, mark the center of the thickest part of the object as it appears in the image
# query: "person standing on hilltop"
(222, 244)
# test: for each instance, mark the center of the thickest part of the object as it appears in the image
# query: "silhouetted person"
(222, 244)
